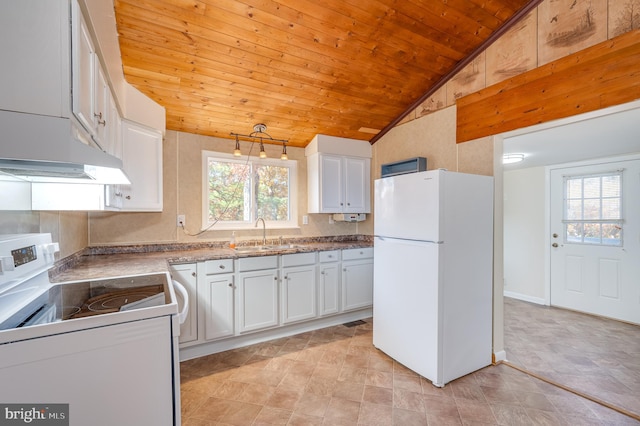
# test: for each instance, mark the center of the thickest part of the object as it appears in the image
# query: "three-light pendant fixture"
(259, 133)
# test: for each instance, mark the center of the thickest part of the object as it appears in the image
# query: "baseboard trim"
(524, 297)
(499, 357)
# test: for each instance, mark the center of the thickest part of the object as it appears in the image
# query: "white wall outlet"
(305, 219)
(181, 221)
(331, 221)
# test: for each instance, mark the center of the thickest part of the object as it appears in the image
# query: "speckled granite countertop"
(111, 261)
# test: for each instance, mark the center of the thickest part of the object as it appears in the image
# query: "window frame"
(292, 165)
(618, 222)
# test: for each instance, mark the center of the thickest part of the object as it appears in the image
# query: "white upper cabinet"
(338, 175)
(329, 174)
(91, 94)
(142, 160)
(34, 41)
(101, 108)
(357, 185)
(83, 75)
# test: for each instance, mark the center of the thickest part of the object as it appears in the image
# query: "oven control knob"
(6, 264)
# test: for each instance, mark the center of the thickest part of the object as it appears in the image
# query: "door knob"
(555, 235)
(554, 245)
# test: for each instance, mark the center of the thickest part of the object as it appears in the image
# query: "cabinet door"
(331, 184)
(101, 107)
(357, 284)
(114, 126)
(298, 293)
(257, 300)
(329, 287)
(186, 275)
(216, 296)
(34, 41)
(142, 159)
(357, 185)
(83, 61)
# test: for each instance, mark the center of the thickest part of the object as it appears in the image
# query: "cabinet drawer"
(298, 259)
(220, 266)
(256, 263)
(357, 253)
(329, 256)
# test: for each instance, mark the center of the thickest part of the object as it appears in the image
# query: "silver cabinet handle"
(100, 120)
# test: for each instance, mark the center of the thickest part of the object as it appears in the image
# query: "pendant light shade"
(284, 156)
(262, 153)
(237, 151)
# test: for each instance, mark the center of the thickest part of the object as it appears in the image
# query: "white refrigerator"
(433, 263)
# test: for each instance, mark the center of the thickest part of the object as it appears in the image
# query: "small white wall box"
(412, 165)
(349, 217)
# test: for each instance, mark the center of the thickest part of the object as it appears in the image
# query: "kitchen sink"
(287, 246)
(253, 249)
(257, 249)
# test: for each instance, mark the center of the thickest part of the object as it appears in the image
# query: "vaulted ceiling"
(302, 67)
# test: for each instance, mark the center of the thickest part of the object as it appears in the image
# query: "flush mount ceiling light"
(512, 158)
(259, 134)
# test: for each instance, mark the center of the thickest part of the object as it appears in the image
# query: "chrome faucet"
(264, 231)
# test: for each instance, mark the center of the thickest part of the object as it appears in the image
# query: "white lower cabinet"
(186, 275)
(298, 287)
(257, 293)
(357, 278)
(238, 297)
(329, 282)
(216, 298)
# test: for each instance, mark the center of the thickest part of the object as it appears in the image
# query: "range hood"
(39, 148)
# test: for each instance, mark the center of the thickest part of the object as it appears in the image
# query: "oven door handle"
(182, 315)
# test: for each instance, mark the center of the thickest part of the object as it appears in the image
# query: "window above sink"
(239, 190)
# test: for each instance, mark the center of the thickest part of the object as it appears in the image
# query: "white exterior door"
(595, 239)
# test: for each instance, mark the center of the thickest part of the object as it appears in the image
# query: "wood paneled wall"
(603, 75)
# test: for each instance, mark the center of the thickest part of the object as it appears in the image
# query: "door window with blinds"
(593, 209)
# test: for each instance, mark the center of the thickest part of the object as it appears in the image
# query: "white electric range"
(107, 347)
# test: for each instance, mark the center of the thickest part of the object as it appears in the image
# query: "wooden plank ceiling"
(302, 67)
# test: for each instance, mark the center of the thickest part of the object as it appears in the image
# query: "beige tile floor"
(335, 376)
(597, 356)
